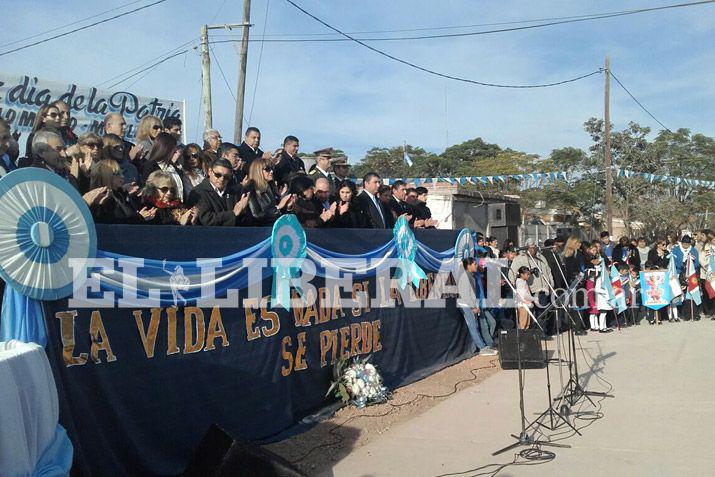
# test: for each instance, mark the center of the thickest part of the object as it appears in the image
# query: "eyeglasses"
(155, 127)
(94, 145)
(164, 190)
(219, 175)
(194, 155)
(268, 169)
(53, 115)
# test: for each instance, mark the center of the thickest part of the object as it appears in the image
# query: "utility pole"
(241, 89)
(607, 155)
(206, 78)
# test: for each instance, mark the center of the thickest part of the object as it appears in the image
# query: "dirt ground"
(328, 442)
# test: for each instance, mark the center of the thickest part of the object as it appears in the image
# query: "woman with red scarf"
(161, 192)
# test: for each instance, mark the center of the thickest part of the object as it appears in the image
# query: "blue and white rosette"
(44, 223)
(407, 269)
(288, 246)
(464, 245)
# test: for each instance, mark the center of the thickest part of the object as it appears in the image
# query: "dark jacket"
(216, 210)
(657, 260)
(399, 208)
(631, 253)
(40, 163)
(348, 220)
(263, 206)
(287, 168)
(308, 212)
(248, 155)
(116, 210)
(573, 265)
(369, 214)
(557, 268)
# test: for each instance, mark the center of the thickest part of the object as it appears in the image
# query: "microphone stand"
(573, 390)
(524, 439)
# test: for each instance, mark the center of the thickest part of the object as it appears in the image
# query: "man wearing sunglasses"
(219, 203)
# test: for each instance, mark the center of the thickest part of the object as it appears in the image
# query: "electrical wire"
(443, 75)
(70, 24)
(567, 20)
(222, 73)
(19, 48)
(637, 102)
(217, 12)
(146, 63)
(148, 68)
(258, 68)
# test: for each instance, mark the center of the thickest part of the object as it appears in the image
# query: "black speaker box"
(532, 355)
(219, 455)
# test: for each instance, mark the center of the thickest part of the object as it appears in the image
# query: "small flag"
(618, 294)
(693, 289)
(710, 279)
(405, 156)
(675, 290)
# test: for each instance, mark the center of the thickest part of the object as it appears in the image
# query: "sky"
(343, 95)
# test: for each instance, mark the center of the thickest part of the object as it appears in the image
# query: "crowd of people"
(160, 181)
(568, 274)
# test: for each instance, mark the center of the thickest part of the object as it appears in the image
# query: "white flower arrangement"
(358, 383)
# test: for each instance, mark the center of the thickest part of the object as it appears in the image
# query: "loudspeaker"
(219, 455)
(532, 355)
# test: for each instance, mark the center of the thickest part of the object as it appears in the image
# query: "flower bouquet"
(358, 383)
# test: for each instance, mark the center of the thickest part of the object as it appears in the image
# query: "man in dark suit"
(373, 214)
(249, 149)
(289, 165)
(217, 203)
(397, 203)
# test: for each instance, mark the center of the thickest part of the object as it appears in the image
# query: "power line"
(217, 12)
(148, 68)
(436, 73)
(565, 20)
(637, 102)
(222, 73)
(70, 23)
(145, 63)
(258, 69)
(82, 28)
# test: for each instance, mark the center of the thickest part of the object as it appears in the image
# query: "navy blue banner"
(140, 387)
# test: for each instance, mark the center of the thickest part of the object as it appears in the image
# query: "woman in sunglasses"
(193, 167)
(115, 205)
(148, 129)
(161, 192)
(114, 149)
(263, 197)
(48, 117)
(82, 157)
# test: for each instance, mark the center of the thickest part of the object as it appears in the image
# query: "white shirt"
(375, 201)
(219, 192)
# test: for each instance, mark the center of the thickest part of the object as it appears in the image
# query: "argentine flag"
(675, 290)
(619, 300)
(407, 158)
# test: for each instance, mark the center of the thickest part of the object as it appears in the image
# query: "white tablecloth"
(28, 407)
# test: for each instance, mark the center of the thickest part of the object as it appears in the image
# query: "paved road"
(661, 421)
